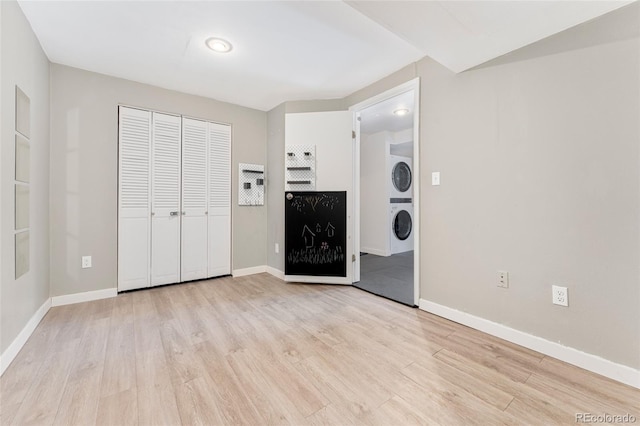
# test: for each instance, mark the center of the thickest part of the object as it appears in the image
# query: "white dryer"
(401, 179)
(401, 229)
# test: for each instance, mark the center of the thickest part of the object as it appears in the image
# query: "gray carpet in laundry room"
(388, 276)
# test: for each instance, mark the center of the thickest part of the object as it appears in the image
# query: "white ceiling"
(463, 34)
(380, 117)
(288, 50)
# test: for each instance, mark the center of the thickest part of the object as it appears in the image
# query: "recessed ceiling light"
(401, 111)
(218, 45)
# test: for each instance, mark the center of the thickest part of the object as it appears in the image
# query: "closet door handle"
(174, 213)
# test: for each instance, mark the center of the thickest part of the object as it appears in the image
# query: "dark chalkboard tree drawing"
(313, 200)
(308, 236)
(297, 203)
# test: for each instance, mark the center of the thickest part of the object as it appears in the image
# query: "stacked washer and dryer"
(386, 195)
(400, 204)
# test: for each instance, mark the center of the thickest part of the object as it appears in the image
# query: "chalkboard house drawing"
(331, 230)
(308, 236)
(318, 228)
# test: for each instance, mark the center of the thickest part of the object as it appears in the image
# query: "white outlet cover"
(560, 295)
(435, 178)
(86, 262)
(503, 279)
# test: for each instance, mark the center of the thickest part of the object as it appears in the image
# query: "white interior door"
(219, 202)
(134, 139)
(356, 198)
(165, 199)
(194, 200)
(332, 135)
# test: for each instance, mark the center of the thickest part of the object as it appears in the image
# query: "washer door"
(402, 225)
(401, 176)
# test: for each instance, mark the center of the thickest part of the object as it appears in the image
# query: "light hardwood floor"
(257, 351)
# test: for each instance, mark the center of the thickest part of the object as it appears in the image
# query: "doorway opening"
(386, 170)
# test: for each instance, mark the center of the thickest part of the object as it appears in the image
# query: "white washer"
(401, 177)
(401, 227)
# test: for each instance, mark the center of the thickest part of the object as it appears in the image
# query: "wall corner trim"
(275, 272)
(590, 362)
(87, 296)
(14, 348)
(248, 271)
(258, 270)
(375, 251)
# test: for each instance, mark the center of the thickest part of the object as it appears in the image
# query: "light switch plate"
(86, 262)
(435, 178)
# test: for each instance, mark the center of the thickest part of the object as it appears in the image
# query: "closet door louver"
(134, 135)
(219, 227)
(194, 199)
(165, 200)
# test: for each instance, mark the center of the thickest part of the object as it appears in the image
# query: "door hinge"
(353, 134)
(353, 257)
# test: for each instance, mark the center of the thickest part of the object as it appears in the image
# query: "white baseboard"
(12, 351)
(249, 271)
(593, 363)
(87, 296)
(374, 251)
(275, 272)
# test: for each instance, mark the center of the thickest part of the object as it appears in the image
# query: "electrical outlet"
(86, 262)
(560, 295)
(435, 178)
(503, 279)
(277, 248)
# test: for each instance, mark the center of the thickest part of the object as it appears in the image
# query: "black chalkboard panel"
(315, 237)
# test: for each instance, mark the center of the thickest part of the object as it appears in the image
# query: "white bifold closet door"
(174, 199)
(194, 199)
(134, 201)
(219, 160)
(165, 199)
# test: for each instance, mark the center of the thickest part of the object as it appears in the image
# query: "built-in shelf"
(252, 171)
(300, 166)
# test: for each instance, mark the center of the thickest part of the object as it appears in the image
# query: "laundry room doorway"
(386, 183)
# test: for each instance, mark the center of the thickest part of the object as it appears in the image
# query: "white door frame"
(411, 85)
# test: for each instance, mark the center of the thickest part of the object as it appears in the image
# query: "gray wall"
(25, 64)
(275, 187)
(84, 169)
(540, 162)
